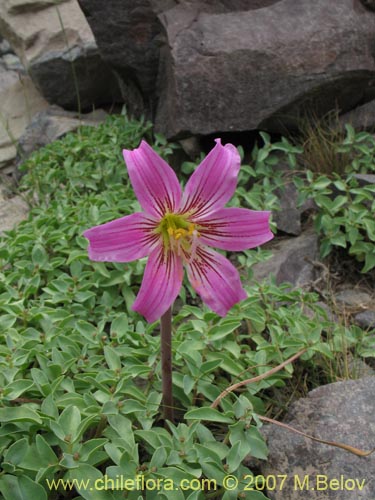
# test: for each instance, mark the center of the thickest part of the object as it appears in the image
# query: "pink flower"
(177, 229)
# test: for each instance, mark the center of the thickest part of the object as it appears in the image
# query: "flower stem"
(166, 363)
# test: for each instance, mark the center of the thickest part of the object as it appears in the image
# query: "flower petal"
(216, 280)
(154, 182)
(160, 285)
(213, 182)
(235, 228)
(122, 240)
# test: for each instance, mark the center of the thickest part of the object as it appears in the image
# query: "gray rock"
(365, 319)
(19, 101)
(262, 69)
(52, 124)
(369, 4)
(58, 49)
(12, 211)
(5, 47)
(13, 63)
(18, 6)
(353, 298)
(128, 35)
(356, 367)
(342, 412)
(92, 83)
(291, 260)
(288, 218)
(362, 117)
(365, 179)
(191, 147)
(213, 6)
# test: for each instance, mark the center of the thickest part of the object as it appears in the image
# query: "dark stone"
(263, 68)
(365, 319)
(362, 117)
(365, 179)
(92, 82)
(288, 217)
(342, 412)
(291, 260)
(369, 4)
(353, 298)
(128, 37)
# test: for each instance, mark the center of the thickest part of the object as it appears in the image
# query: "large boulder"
(129, 36)
(263, 68)
(17, 6)
(19, 101)
(58, 49)
(342, 412)
(362, 117)
(12, 211)
(292, 260)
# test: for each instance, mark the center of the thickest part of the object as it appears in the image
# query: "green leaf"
(7, 321)
(258, 447)
(340, 185)
(339, 240)
(188, 383)
(325, 248)
(323, 349)
(234, 457)
(77, 254)
(39, 256)
(112, 358)
(321, 183)
(85, 476)
(69, 422)
(21, 488)
(338, 203)
(207, 413)
(369, 262)
(46, 454)
(16, 452)
(262, 155)
(220, 331)
(159, 457)
(123, 427)
(19, 414)
(16, 388)
(120, 325)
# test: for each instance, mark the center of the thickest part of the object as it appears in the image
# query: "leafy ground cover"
(80, 371)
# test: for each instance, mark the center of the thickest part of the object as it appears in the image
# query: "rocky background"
(197, 69)
(194, 67)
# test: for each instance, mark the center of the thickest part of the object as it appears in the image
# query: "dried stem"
(346, 447)
(166, 363)
(257, 378)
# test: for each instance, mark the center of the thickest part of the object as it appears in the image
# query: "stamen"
(179, 235)
(194, 244)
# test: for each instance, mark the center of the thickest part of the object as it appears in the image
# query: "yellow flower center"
(178, 234)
